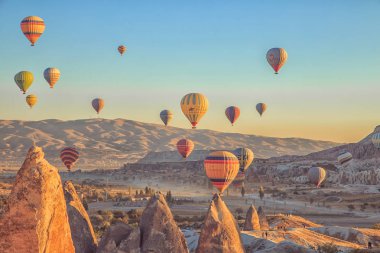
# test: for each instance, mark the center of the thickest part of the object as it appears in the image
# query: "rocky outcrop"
(263, 219)
(36, 219)
(220, 233)
(82, 232)
(252, 219)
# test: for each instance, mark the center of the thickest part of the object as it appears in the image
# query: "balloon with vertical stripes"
(245, 157)
(166, 116)
(32, 27)
(232, 114)
(52, 76)
(277, 57)
(194, 106)
(31, 100)
(98, 104)
(260, 108)
(376, 140)
(24, 80)
(185, 147)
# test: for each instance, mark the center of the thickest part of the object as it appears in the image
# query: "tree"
(239, 210)
(351, 207)
(311, 200)
(242, 191)
(130, 191)
(169, 197)
(261, 192)
(85, 204)
(137, 193)
(141, 193)
(146, 190)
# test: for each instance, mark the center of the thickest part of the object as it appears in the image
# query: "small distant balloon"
(69, 156)
(24, 80)
(277, 57)
(98, 104)
(232, 113)
(185, 147)
(52, 75)
(166, 116)
(194, 106)
(316, 175)
(260, 108)
(31, 100)
(344, 157)
(239, 180)
(122, 49)
(376, 140)
(32, 27)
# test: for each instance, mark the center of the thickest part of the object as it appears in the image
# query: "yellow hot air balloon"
(194, 106)
(24, 80)
(277, 57)
(52, 75)
(32, 27)
(31, 100)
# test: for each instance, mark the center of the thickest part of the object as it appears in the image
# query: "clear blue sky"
(328, 89)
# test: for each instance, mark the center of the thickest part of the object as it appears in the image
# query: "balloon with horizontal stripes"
(69, 157)
(232, 113)
(376, 140)
(194, 106)
(316, 175)
(122, 49)
(166, 116)
(185, 147)
(245, 157)
(98, 104)
(24, 80)
(277, 57)
(52, 76)
(239, 180)
(32, 27)
(260, 108)
(221, 168)
(31, 100)
(344, 157)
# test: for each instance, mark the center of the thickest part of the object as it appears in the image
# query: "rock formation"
(263, 219)
(36, 219)
(220, 233)
(252, 219)
(82, 232)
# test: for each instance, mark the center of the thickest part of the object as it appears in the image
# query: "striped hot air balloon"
(166, 116)
(245, 157)
(24, 80)
(32, 27)
(69, 156)
(376, 140)
(98, 104)
(194, 106)
(52, 75)
(185, 147)
(122, 49)
(316, 175)
(277, 57)
(344, 157)
(221, 168)
(31, 100)
(260, 108)
(239, 180)
(232, 113)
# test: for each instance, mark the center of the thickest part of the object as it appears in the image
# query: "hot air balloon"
(52, 76)
(185, 147)
(24, 80)
(344, 157)
(194, 106)
(232, 113)
(245, 157)
(31, 100)
(98, 104)
(221, 168)
(69, 156)
(239, 180)
(260, 108)
(166, 116)
(122, 49)
(277, 57)
(316, 175)
(376, 140)
(32, 27)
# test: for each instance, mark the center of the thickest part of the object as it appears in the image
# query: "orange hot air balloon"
(98, 104)
(69, 156)
(232, 113)
(316, 175)
(52, 75)
(221, 168)
(185, 147)
(122, 49)
(31, 100)
(32, 27)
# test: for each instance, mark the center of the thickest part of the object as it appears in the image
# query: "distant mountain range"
(105, 143)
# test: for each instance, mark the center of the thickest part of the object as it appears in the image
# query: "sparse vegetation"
(261, 192)
(327, 248)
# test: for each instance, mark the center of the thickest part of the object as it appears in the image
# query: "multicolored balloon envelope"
(32, 27)
(260, 108)
(245, 157)
(31, 100)
(185, 147)
(277, 57)
(69, 156)
(52, 76)
(316, 175)
(344, 157)
(376, 140)
(24, 80)
(98, 104)
(221, 168)
(122, 49)
(232, 113)
(166, 116)
(194, 106)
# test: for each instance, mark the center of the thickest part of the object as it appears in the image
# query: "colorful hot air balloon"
(245, 157)
(194, 106)
(32, 27)
(98, 104)
(69, 156)
(277, 57)
(166, 116)
(260, 108)
(239, 180)
(376, 140)
(122, 49)
(52, 76)
(24, 80)
(344, 157)
(232, 113)
(185, 147)
(221, 168)
(31, 100)
(316, 175)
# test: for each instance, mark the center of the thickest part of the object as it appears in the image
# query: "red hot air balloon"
(232, 113)
(69, 156)
(185, 147)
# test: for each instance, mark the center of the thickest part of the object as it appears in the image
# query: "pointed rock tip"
(35, 153)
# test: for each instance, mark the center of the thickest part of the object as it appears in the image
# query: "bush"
(327, 248)
(376, 226)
